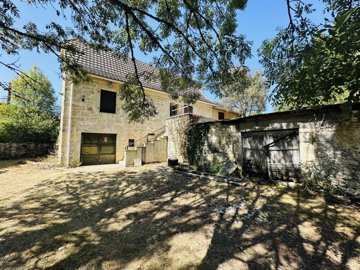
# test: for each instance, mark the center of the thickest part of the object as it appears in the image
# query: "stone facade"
(84, 116)
(27, 149)
(329, 143)
(175, 129)
(151, 152)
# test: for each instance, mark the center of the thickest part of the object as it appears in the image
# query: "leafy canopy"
(31, 114)
(311, 65)
(194, 42)
(251, 100)
(33, 93)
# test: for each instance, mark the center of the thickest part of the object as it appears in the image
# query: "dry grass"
(153, 218)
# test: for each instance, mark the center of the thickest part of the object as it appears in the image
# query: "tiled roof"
(106, 64)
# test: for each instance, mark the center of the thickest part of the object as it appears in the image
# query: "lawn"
(154, 218)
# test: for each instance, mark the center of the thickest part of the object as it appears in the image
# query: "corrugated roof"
(108, 65)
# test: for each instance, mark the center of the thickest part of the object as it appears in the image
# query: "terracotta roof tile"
(106, 64)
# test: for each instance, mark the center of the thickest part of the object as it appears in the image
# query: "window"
(188, 109)
(131, 143)
(221, 116)
(107, 101)
(173, 109)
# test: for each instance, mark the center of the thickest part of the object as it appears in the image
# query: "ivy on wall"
(195, 138)
(177, 127)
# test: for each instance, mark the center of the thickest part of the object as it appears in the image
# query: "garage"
(274, 153)
(98, 148)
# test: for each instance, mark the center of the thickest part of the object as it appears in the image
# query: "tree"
(251, 100)
(34, 92)
(312, 65)
(31, 115)
(195, 41)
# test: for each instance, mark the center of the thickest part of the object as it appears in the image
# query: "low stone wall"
(20, 150)
(329, 144)
(151, 152)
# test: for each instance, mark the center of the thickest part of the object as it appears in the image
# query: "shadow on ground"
(159, 219)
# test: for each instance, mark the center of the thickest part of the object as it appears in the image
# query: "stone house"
(318, 144)
(94, 129)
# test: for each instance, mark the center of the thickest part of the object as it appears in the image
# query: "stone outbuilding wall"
(175, 129)
(328, 143)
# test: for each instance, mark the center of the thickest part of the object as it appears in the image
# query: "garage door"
(98, 148)
(274, 153)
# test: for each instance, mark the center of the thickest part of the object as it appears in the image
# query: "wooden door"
(273, 153)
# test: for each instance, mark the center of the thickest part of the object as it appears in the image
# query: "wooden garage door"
(273, 153)
(98, 148)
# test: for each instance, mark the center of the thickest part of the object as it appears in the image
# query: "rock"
(22, 162)
(122, 163)
(137, 162)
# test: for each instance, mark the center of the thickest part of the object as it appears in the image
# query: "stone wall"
(175, 130)
(84, 117)
(329, 143)
(20, 150)
(151, 152)
(227, 114)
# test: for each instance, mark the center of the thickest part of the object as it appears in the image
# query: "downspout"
(69, 125)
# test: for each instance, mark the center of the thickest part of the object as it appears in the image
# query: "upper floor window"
(173, 109)
(221, 116)
(107, 101)
(188, 109)
(131, 143)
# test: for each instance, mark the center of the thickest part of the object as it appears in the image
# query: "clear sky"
(259, 21)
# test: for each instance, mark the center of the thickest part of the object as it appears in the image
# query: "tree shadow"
(160, 219)
(290, 230)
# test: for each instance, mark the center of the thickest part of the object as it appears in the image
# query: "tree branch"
(134, 60)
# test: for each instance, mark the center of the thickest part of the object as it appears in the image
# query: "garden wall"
(176, 127)
(328, 143)
(20, 150)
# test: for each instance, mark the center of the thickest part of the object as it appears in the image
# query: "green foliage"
(33, 92)
(31, 116)
(136, 103)
(314, 65)
(247, 96)
(195, 138)
(194, 42)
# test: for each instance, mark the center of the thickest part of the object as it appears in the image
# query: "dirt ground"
(154, 218)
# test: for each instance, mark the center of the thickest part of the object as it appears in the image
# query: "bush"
(19, 125)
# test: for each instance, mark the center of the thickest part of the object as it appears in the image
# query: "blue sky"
(259, 21)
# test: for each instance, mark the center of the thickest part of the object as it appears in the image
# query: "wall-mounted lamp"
(83, 98)
(110, 84)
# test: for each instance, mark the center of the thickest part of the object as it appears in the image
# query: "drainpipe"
(69, 125)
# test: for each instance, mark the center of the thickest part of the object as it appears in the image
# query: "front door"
(98, 148)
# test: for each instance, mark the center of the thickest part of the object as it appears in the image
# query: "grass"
(154, 218)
